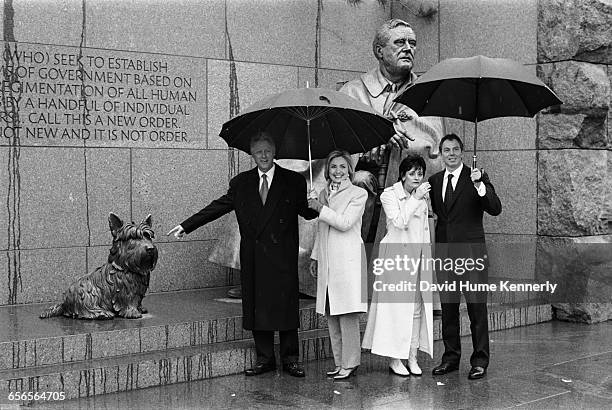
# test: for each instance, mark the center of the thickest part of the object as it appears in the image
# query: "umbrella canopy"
(477, 89)
(309, 123)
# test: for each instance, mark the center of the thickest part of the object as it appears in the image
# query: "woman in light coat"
(401, 322)
(338, 261)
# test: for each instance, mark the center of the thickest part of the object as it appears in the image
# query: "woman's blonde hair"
(347, 157)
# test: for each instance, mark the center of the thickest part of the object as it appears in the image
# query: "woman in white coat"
(338, 261)
(400, 323)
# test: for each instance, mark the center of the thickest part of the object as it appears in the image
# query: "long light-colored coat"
(339, 251)
(389, 329)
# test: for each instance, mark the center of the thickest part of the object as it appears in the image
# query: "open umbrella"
(309, 123)
(477, 89)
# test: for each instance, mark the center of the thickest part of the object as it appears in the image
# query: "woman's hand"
(313, 268)
(315, 204)
(422, 190)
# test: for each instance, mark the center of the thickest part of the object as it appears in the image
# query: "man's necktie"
(263, 191)
(448, 194)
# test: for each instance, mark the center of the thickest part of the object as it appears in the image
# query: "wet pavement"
(550, 365)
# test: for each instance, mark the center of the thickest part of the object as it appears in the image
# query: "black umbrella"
(309, 123)
(477, 89)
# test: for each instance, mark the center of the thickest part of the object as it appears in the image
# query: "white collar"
(269, 173)
(455, 173)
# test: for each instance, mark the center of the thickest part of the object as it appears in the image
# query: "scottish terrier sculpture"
(117, 287)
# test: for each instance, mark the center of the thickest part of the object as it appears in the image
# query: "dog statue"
(117, 287)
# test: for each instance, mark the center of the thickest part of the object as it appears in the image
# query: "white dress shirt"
(269, 175)
(482, 190)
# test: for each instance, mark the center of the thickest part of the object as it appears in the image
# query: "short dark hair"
(382, 35)
(451, 137)
(410, 162)
(262, 136)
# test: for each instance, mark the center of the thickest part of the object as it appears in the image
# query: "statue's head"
(133, 248)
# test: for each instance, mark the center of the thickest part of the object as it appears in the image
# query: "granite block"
(573, 192)
(347, 32)
(253, 82)
(179, 335)
(153, 338)
(427, 30)
(272, 31)
(180, 183)
(98, 255)
(501, 134)
(6, 197)
(514, 176)
(475, 27)
(76, 347)
(52, 199)
(46, 273)
(332, 79)
(511, 257)
(46, 351)
(108, 190)
(115, 343)
(50, 22)
(194, 28)
(118, 99)
(184, 265)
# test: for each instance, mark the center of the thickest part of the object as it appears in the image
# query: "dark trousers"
(451, 327)
(264, 346)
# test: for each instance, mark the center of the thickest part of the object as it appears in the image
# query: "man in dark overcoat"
(459, 197)
(267, 201)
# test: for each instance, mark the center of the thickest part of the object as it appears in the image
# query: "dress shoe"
(344, 374)
(397, 367)
(477, 372)
(334, 372)
(444, 368)
(294, 369)
(413, 366)
(260, 368)
(235, 293)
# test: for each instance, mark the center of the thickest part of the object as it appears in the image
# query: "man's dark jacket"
(462, 222)
(268, 244)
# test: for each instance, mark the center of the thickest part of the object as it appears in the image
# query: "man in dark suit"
(267, 201)
(459, 197)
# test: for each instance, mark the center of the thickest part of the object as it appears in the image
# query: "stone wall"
(218, 57)
(574, 197)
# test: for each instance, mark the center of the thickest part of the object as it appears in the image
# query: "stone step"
(130, 371)
(177, 320)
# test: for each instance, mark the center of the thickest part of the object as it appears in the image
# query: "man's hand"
(476, 177)
(422, 190)
(178, 232)
(315, 204)
(313, 194)
(400, 138)
(313, 268)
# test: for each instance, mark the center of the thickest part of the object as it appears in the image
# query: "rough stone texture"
(581, 267)
(46, 273)
(272, 31)
(347, 32)
(50, 22)
(185, 266)
(513, 174)
(572, 131)
(574, 192)
(575, 29)
(52, 199)
(492, 28)
(193, 28)
(108, 191)
(584, 88)
(254, 82)
(172, 185)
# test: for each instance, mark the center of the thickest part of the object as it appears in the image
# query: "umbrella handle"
(474, 161)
